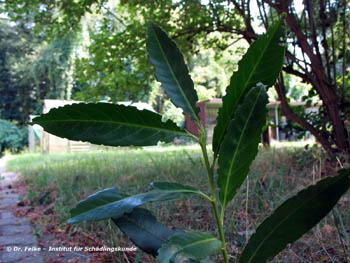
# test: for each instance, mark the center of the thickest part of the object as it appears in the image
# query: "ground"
(53, 184)
(20, 243)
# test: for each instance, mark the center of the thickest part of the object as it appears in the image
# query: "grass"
(275, 175)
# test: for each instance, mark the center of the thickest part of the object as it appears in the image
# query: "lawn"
(276, 174)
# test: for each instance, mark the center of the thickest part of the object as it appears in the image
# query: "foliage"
(51, 68)
(235, 148)
(106, 71)
(210, 74)
(170, 112)
(127, 120)
(16, 45)
(31, 70)
(317, 52)
(12, 137)
(296, 89)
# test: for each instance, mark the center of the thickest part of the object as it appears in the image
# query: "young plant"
(235, 145)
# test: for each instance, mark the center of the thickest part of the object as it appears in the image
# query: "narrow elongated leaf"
(117, 208)
(190, 245)
(171, 70)
(295, 217)
(175, 187)
(108, 124)
(240, 144)
(262, 63)
(144, 230)
(97, 199)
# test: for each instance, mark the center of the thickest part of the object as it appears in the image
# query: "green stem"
(210, 173)
(221, 232)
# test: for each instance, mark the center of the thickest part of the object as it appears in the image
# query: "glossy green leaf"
(102, 210)
(295, 217)
(190, 245)
(144, 230)
(240, 144)
(108, 124)
(97, 199)
(262, 63)
(171, 70)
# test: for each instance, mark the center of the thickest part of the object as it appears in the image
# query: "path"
(16, 235)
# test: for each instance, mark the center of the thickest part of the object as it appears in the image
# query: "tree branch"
(114, 15)
(309, 9)
(262, 13)
(288, 112)
(290, 70)
(249, 31)
(324, 41)
(344, 56)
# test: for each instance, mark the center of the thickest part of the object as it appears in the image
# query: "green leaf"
(108, 124)
(144, 230)
(171, 70)
(111, 203)
(295, 217)
(190, 245)
(262, 63)
(91, 210)
(97, 199)
(179, 188)
(240, 144)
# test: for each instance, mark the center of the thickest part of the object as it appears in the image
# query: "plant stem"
(221, 231)
(210, 173)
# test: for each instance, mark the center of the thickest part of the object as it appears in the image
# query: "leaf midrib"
(238, 144)
(180, 191)
(259, 61)
(89, 201)
(286, 218)
(111, 122)
(246, 83)
(174, 76)
(101, 206)
(114, 202)
(145, 229)
(195, 243)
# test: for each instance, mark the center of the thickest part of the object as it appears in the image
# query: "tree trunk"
(317, 77)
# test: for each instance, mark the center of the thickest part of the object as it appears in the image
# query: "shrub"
(12, 137)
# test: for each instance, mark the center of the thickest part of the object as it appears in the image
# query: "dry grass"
(276, 174)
